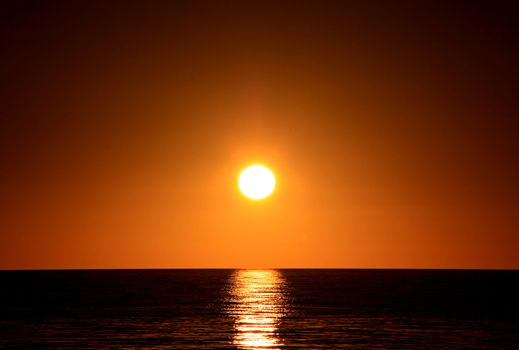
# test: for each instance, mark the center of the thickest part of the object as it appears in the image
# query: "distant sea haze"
(259, 309)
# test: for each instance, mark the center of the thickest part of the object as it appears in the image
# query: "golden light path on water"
(257, 305)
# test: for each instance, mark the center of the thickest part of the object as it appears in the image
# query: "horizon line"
(262, 268)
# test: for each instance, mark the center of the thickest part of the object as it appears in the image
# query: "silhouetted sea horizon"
(259, 309)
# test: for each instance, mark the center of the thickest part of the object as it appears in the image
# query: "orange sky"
(391, 128)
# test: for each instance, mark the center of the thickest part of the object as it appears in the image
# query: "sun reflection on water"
(257, 299)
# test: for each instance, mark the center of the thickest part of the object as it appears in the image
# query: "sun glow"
(257, 182)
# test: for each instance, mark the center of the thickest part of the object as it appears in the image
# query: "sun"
(257, 182)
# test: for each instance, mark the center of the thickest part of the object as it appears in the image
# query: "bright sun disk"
(257, 182)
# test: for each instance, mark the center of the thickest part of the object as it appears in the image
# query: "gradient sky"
(392, 127)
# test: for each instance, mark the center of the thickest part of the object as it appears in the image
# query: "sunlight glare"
(258, 300)
(257, 182)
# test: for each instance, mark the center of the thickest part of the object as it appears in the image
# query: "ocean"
(259, 309)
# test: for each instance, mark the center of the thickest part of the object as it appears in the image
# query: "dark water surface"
(259, 309)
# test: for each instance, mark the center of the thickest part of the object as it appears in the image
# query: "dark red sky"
(391, 125)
